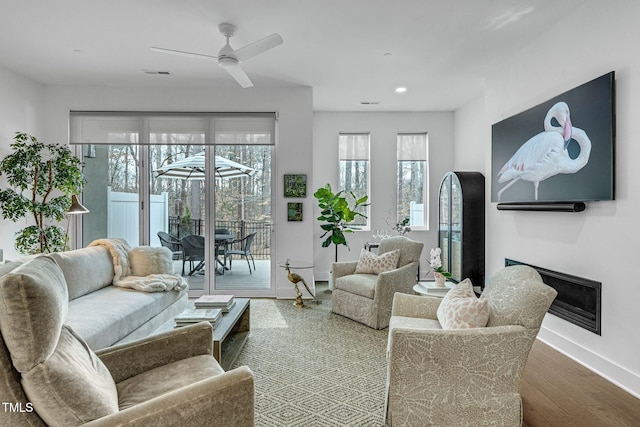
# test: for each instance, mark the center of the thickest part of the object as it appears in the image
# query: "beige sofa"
(103, 314)
(50, 376)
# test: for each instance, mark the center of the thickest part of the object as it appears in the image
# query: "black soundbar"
(542, 206)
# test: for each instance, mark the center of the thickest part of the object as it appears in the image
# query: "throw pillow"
(461, 309)
(146, 260)
(370, 263)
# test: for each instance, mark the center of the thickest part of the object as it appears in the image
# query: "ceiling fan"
(230, 59)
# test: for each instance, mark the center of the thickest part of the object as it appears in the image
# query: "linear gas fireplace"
(579, 300)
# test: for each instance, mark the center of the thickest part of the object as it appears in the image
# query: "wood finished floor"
(557, 391)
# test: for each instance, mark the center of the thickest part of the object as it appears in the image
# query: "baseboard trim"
(618, 375)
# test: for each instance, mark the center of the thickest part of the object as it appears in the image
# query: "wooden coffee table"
(231, 332)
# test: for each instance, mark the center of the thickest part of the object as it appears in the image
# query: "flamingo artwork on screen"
(546, 154)
(561, 150)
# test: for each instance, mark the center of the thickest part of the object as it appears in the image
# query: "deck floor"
(238, 277)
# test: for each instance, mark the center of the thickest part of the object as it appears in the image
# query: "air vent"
(369, 102)
(162, 73)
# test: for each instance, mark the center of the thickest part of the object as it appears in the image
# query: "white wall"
(383, 128)
(603, 242)
(294, 106)
(20, 111)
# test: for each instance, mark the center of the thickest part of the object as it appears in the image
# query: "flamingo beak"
(567, 132)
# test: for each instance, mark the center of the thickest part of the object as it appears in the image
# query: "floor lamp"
(76, 208)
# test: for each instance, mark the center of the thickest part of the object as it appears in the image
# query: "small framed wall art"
(295, 185)
(294, 211)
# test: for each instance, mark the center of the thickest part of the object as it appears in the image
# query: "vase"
(439, 279)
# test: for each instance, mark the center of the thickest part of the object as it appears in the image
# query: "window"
(354, 169)
(413, 179)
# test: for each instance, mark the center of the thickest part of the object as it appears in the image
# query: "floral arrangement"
(436, 262)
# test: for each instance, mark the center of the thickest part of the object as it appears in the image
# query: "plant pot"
(440, 279)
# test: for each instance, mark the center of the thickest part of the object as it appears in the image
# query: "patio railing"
(260, 249)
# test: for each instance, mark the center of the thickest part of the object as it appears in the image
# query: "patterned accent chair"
(464, 376)
(367, 298)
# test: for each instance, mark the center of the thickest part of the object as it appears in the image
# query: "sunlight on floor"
(275, 320)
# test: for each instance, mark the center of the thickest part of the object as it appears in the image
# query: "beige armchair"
(49, 376)
(367, 298)
(464, 376)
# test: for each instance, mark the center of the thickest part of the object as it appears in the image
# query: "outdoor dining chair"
(168, 241)
(245, 250)
(193, 251)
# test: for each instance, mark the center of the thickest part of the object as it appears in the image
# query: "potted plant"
(41, 178)
(336, 212)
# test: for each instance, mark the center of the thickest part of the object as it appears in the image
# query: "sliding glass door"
(153, 179)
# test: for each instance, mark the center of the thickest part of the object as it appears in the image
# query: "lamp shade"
(76, 208)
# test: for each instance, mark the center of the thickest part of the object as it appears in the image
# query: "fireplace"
(578, 300)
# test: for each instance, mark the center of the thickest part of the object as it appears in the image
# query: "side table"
(296, 278)
(428, 288)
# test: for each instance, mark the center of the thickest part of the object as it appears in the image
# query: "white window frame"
(413, 147)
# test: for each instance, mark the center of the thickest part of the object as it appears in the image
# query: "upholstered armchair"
(49, 376)
(468, 376)
(367, 297)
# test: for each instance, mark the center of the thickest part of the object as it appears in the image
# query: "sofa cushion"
(104, 317)
(370, 263)
(460, 308)
(413, 323)
(166, 378)
(35, 301)
(359, 284)
(72, 386)
(85, 270)
(146, 260)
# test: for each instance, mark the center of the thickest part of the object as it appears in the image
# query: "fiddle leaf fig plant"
(337, 211)
(41, 179)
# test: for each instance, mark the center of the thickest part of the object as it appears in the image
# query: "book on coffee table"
(223, 302)
(195, 315)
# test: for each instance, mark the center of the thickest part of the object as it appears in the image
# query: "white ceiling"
(441, 50)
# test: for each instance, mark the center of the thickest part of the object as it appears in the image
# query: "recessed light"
(401, 89)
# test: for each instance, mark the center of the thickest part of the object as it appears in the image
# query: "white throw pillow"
(370, 263)
(461, 308)
(146, 260)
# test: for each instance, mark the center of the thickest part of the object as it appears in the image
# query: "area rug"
(313, 367)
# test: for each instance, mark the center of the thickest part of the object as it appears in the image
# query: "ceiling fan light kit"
(230, 59)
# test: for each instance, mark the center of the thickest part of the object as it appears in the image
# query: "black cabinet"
(461, 225)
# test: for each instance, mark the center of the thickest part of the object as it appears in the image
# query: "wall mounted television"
(559, 151)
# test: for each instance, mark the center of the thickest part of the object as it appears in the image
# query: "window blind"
(215, 128)
(412, 146)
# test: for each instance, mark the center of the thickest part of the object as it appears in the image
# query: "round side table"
(429, 289)
(296, 278)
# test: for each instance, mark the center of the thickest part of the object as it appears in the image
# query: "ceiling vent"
(369, 102)
(162, 73)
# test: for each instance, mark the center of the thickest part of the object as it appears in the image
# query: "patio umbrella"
(192, 168)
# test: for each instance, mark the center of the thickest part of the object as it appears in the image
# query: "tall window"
(413, 179)
(354, 168)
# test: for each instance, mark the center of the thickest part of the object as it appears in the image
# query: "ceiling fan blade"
(239, 75)
(183, 53)
(257, 47)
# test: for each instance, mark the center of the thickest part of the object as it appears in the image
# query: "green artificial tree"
(337, 211)
(41, 179)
